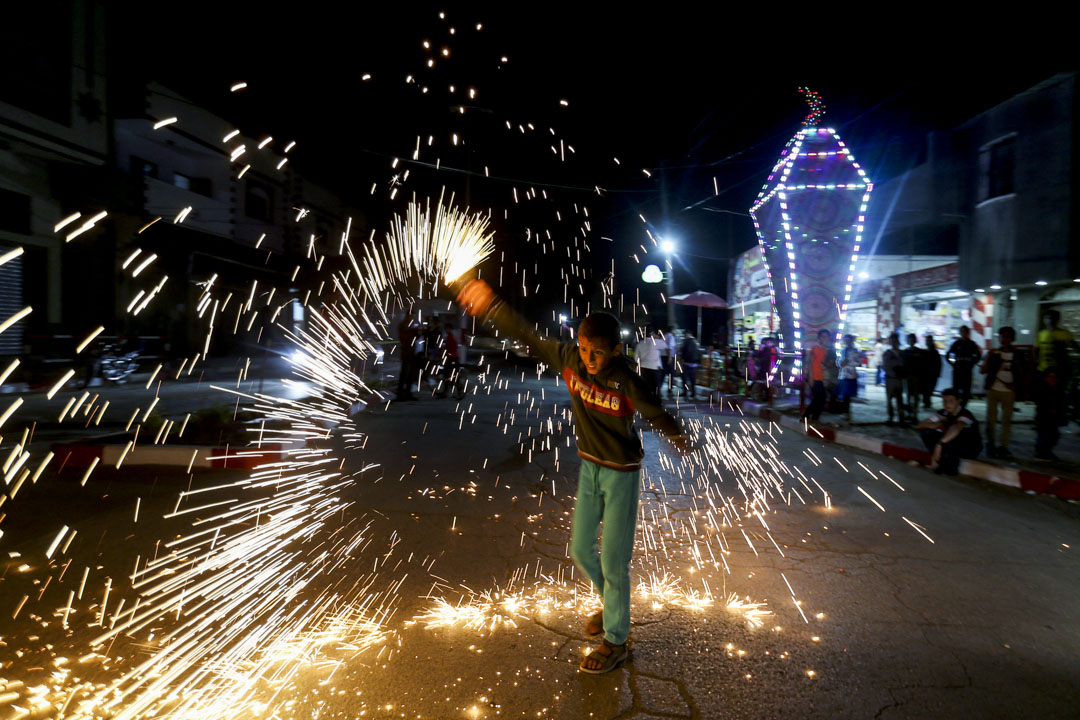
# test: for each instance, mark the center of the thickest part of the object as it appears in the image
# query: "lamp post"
(668, 247)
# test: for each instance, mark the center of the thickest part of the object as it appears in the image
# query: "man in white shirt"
(647, 354)
(1006, 369)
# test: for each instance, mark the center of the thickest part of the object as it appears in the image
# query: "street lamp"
(652, 274)
(668, 248)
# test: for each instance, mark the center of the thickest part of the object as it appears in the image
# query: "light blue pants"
(608, 496)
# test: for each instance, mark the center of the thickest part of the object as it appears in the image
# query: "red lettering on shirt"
(598, 399)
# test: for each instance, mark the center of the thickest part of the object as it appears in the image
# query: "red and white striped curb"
(1045, 483)
(188, 456)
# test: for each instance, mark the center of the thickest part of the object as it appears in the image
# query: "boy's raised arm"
(479, 300)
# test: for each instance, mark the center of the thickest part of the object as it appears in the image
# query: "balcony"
(207, 214)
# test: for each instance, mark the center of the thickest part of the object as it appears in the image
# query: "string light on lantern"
(813, 166)
(817, 107)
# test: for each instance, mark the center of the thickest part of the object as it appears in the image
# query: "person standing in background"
(673, 356)
(849, 372)
(879, 354)
(1006, 371)
(667, 357)
(914, 370)
(690, 357)
(647, 354)
(1053, 383)
(892, 362)
(819, 354)
(963, 355)
(932, 370)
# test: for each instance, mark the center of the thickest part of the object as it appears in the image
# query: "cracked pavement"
(982, 622)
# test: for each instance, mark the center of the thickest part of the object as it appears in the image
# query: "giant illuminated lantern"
(809, 220)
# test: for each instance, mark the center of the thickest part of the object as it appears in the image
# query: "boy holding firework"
(604, 394)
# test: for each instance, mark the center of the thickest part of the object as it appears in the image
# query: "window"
(14, 212)
(143, 168)
(198, 185)
(11, 301)
(258, 202)
(997, 168)
(201, 186)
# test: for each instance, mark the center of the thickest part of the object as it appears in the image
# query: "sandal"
(614, 657)
(594, 627)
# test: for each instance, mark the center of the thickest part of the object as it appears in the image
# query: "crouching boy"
(951, 434)
(605, 392)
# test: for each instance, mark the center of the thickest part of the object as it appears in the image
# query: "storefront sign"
(751, 279)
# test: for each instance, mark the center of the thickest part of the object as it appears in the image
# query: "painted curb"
(1027, 480)
(196, 456)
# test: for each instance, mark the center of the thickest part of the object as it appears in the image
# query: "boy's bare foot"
(605, 658)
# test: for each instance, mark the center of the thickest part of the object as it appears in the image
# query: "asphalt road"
(982, 622)
(176, 398)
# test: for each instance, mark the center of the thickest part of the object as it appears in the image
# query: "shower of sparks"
(445, 245)
(263, 579)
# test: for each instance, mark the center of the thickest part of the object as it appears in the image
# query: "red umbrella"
(700, 299)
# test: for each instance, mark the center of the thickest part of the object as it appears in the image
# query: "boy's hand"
(476, 297)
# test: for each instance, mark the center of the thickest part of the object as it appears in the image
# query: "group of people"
(427, 349)
(1010, 374)
(824, 373)
(916, 370)
(606, 393)
(660, 357)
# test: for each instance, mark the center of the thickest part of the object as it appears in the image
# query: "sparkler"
(444, 245)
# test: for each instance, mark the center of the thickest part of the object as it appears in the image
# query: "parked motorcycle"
(116, 366)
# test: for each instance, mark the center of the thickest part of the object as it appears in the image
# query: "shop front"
(751, 305)
(752, 322)
(861, 322)
(939, 313)
(930, 301)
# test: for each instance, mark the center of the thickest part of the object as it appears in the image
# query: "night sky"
(690, 95)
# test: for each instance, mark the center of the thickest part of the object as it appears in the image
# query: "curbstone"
(1027, 480)
(196, 456)
(1066, 488)
(862, 442)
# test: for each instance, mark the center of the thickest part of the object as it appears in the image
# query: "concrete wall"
(1028, 235)
(195, 147)
(918, 213)
(53, 116)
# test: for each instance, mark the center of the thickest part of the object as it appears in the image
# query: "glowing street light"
(652, 274)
